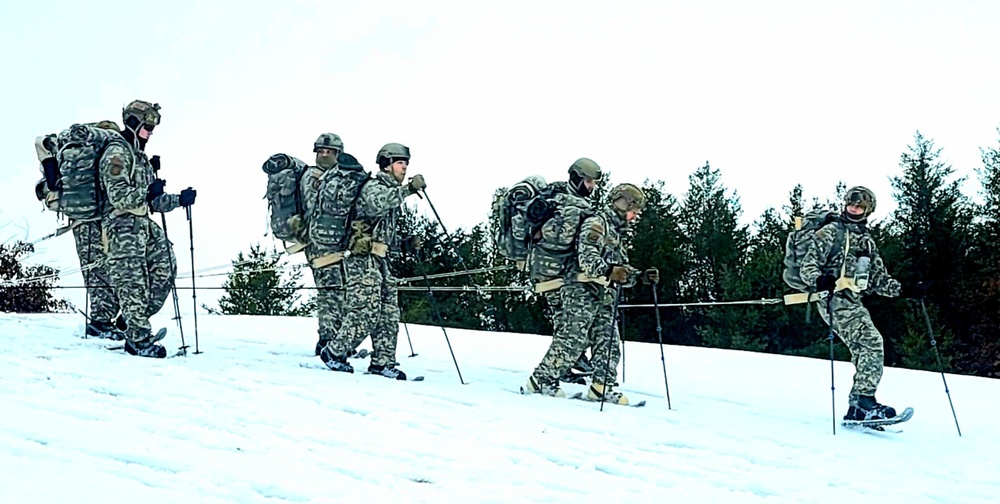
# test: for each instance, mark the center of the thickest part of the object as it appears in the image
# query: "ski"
(581, 397)
(880, 424)
(415, 378)
(308, 365)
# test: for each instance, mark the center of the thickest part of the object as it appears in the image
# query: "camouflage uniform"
(851, 320)
(329, 278)
(90, 249)
(584, 315)
(371, 298)
(141, 261)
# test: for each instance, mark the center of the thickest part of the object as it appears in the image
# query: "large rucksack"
(330, 219)
(800, 239)
(513, 234)
(78, 193)
(284, 200)
(553, 243)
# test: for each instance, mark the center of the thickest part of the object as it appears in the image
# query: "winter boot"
(389, 371)
(867, 408)
(548, 387)
(120, 323)
(612, 396)
(105, 330)
(583, 366)
(320, 344)
(146, 345)
(335, 362)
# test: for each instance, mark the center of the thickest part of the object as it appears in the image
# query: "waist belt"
(326, 260)
(557, 283)
(137, 211)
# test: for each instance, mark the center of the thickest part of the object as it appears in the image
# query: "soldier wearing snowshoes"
(371, 300)
(141, 261)
(843, 272)
(324, 261)
(591, 274)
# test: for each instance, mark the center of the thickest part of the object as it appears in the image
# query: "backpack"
(284, 200)
(554, 238)
(800, 239)
(78, 194)
(515, 230)
(329, 223)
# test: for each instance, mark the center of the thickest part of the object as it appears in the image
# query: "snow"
(255, 418)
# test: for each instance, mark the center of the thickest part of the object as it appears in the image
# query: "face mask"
(326, 161)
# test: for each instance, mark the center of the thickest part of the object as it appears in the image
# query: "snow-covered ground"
(255, 419)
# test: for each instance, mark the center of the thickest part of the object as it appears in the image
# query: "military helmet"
(329, 141)
(141, 112)
(632, 198)
(391, 152)
(585, 168)
(861, 196)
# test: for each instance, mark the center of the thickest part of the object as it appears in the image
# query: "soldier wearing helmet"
(585, 315)
(141, 262)
(843, 272)
(371, 300)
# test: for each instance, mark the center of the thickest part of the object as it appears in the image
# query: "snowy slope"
(244, 421)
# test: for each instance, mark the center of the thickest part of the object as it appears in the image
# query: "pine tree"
(35, 296)
(258, 285)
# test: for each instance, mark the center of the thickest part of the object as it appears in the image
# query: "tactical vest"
(330, 217)
(554, 253)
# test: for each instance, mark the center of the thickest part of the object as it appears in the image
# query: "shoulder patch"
(594, 231)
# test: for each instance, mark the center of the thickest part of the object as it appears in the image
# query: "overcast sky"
(772, 93)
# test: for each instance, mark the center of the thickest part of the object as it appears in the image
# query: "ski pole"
(194, 291)
(408, 340)
(930, 332)
(609, 341)
(173, 292)
(621, 334)
(833, 395)
(659, 336)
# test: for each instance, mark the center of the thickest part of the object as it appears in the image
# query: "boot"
(105, 330)
(612, 396)
(120, 323)
(320, 344)
(389, 371)
(335, 362)
(549, 387)
(146, 347)
(867, 408)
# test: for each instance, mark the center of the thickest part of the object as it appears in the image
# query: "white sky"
(256, 418)
(772, 93)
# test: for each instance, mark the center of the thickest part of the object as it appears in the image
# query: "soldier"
(585, 315)
(371, 298)
(842, 273)
(104, 319)
(141, 261)
(327, 275)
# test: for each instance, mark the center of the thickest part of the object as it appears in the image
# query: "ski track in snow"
(244, 421)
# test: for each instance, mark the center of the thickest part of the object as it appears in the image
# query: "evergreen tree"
(35, 296)
(984, 295)
(258, 286)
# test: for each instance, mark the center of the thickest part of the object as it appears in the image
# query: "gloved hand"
(416, 184)
(651, 276)
(618, 274)
(826, 282)
(913, 290)
(155, 190)
(155, 163)
(187, 197)
(411, 244)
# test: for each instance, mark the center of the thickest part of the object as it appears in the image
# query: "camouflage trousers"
(371, 309)
(853, 325)
(583, 318)
(142, 267)
(329, 282)
(90, 249)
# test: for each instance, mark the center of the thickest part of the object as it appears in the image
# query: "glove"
(416, 184)
(155, 163)
(411, 244)
(618, 274)
(50, 167)
(651, 276)
(155, 190)
(913, 290)
(187, 197)
(826, 282)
